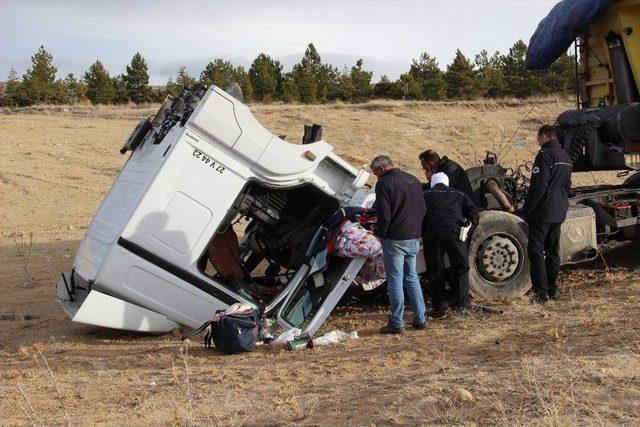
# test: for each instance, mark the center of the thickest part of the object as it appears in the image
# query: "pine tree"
(491, 80)
(12, 91)
(100, 88)
(305, 75)
(344, 88)
(312, 58)
(120, 91)
(521, 82)
(384, 88)
(219, 73)
(76, 90)
(307, 85)
(407, 87)
(242, 78)
(461, 78)
(361, 80)
(60, 94)
(560, 76)
(182, 81)
(265, 75)
(289, 89)
(38, 83)
(327, 78)
(171, 86)
(136, 80)
(428, 75)
(158, 94)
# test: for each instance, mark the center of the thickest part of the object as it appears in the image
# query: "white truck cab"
(202, 166)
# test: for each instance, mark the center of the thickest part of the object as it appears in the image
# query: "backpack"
(231, 331)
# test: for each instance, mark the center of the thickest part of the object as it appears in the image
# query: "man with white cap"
(449, 213)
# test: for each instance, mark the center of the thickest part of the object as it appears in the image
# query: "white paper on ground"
(286, 336)
(335, 336)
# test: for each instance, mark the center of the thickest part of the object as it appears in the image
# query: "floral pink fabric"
(355, 241)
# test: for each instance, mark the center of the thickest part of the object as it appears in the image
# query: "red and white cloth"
(233, 309)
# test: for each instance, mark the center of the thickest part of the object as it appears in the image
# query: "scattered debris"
(300, 343)
(335, 336)
(286, 336)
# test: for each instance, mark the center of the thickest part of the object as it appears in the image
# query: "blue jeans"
(400, 267)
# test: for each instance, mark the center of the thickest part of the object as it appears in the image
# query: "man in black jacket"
(448, 210)
(545, 209)
(400, 208)
(458, 179)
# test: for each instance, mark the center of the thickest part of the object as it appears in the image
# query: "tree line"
(311, 81)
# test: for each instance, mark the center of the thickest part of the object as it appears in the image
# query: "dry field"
(576, 361)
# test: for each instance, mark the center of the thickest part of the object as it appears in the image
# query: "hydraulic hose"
(503, 199)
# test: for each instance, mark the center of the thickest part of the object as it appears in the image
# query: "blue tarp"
(559, 29)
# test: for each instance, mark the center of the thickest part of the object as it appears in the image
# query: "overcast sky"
(387, 34)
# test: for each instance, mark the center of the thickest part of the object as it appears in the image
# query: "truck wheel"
(633, 180)
(498, 262)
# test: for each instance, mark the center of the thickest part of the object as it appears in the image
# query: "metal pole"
(575, 57)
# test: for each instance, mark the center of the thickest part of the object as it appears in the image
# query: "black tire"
(633, 180)
(499, 231)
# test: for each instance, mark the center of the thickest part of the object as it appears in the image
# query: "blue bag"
(234, 333)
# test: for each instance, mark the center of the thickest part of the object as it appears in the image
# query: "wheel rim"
(499, 258)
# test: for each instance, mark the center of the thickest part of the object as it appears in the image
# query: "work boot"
(419, 326)
(539, 299)
(389, 328)
(554, 297)
(463, 311)
(439, 312)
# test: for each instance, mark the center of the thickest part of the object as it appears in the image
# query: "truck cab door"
(309, 304)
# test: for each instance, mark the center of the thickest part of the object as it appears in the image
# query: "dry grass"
(24, 249)
(576, 361)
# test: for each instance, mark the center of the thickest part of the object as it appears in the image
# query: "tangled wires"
(517, 181)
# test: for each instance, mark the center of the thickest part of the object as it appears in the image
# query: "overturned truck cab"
(211, 209)
(163, 248)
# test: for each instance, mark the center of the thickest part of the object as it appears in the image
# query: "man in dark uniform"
(458, 179)
(448, 210)
(545, 209)
(400, 209)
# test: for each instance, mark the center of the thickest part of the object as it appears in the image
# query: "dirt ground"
(576, 361)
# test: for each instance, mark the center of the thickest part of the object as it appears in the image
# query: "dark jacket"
(458, 178)
(399, 206)
(548, 198)
(447, 209)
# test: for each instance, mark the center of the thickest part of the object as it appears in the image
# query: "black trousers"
(544, 257)
(435, 246)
